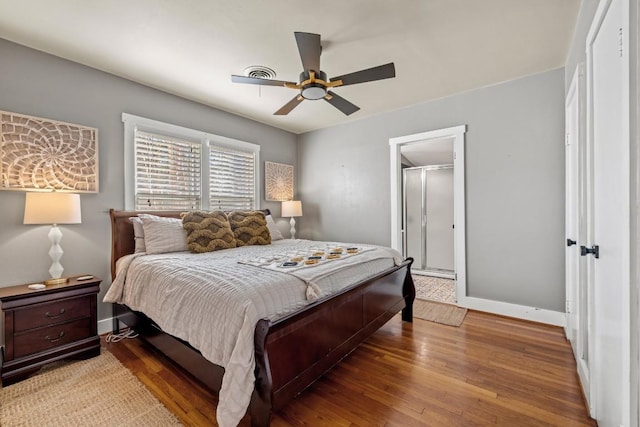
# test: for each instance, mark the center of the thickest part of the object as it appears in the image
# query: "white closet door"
(608, 103)
(572, 250)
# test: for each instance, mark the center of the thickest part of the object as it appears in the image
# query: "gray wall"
(42, 85)
(514, 184)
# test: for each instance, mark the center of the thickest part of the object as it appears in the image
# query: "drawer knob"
(54, 316)
(58, 338)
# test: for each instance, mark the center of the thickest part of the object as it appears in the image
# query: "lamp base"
(55, 235)
(292, 230)
(58, 281)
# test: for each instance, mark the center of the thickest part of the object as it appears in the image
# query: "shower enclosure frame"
(420, 266)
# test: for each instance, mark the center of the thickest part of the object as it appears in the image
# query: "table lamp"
(53, 208)
(292, 208)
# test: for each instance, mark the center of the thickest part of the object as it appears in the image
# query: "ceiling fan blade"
(286, 108)
(340, 103)
(309, 48)
(380, 72)
(259, 81)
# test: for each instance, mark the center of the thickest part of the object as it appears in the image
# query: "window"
(231, 179)
(168, 173)
(169, 167)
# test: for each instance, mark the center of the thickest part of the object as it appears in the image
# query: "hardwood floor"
(490, 371)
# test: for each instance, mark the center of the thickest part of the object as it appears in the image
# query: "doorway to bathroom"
(428, 210)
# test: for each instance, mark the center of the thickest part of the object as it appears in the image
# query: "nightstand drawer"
(53, 336)
(51, 313)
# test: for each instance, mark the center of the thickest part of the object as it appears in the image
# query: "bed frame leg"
(260, 413)
(115, 325)
(409, 290)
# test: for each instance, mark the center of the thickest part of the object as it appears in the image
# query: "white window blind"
(168, 173)
(231, 179)
(170, 167)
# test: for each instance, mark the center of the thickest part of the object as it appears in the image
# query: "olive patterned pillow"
(249, 228)
(208, 231)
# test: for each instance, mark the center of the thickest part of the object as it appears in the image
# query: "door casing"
(458, 135)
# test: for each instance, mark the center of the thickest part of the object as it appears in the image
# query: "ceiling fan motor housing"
(313, 90)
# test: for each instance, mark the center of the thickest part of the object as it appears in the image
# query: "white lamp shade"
(52, 208)
(292, 208)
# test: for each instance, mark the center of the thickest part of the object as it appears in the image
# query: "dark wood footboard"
(294, 351)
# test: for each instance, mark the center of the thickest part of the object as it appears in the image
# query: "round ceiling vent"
(260, 72)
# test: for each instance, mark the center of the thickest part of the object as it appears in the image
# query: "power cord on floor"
(121, 336)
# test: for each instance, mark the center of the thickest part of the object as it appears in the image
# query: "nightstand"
(46, 325)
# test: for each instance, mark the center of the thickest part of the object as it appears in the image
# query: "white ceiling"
(429, 152)
(191, 47)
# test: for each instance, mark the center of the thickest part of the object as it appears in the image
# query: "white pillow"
(163, 234)
(273, 229)
(138, 234)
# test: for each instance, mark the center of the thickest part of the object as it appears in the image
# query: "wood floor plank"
(490, 371)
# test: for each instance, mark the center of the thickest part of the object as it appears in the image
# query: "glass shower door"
(439, 235)
(414, 239)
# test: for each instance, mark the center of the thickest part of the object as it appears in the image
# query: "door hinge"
(567, 306)
(620, 50)
(566, 139)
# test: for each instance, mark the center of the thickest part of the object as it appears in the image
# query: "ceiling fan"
(313, 83)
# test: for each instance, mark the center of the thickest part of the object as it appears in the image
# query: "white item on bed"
(273, 229)
(213, 302)
(162, 234)
(138, 234)
(324, 266)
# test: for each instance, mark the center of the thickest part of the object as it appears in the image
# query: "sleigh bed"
(291, 351)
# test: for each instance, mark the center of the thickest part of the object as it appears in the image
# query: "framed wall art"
(278, 181)
(39, 154)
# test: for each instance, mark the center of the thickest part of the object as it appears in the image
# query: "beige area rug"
(435, 288)
(94, 392)
(445, 314)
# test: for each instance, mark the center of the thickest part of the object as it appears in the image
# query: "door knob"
(594, 250)
(571, 242)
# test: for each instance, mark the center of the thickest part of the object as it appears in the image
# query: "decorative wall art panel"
(37, 153)
(278, 181)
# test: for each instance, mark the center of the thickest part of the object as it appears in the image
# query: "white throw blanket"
(322, 263)
(214, 300)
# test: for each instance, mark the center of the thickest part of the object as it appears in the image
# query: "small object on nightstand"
(81, 278)
(36, 286)
(57, 281)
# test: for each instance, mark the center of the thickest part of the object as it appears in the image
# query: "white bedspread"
(214, 300)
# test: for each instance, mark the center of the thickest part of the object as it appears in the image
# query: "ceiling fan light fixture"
(314, 85)
(314, 91)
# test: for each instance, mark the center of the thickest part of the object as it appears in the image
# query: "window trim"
(133, 123)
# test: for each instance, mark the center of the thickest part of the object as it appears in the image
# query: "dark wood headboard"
(122, 239)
